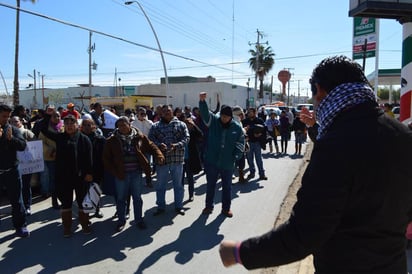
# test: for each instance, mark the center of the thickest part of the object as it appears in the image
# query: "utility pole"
(257, 61)
(91, 66)
(248, 94)
(299, 91)
(38, 77)
(42, 91)
(90, 63)
(257, 65)
(289, 69)
(271, 90)
(34, 104)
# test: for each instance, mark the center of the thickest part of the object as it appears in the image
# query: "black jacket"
(194, 163)
(73, 155)
(354, 203)
(98, 141)
(9, 148)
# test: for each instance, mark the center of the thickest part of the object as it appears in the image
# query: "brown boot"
(241, 176)
(66, 215)
(84, 222)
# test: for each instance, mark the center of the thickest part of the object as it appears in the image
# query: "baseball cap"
(70, 116)
(142, 109)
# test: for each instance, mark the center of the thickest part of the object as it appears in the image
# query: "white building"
(182, 91)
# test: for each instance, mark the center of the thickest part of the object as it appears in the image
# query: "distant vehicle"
(308, 106)
(291, 109)
(396, 111)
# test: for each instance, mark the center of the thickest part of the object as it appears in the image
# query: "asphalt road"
(171, 243)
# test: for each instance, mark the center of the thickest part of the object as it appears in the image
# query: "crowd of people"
(351, 211)
(78, 149)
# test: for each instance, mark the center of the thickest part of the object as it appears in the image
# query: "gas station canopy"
(390, 9)
(386, 77)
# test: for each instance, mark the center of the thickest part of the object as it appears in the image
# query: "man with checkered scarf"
(356, 195)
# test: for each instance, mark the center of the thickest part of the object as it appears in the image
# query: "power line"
(110, 35)
(169, 22)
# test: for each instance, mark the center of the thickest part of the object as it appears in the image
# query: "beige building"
(181, 91)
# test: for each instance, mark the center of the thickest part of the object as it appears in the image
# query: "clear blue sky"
(214, 33)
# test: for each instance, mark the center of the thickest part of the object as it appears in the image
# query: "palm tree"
(261, 63)
(16, 99)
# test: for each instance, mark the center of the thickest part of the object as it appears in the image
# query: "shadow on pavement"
(197, 237)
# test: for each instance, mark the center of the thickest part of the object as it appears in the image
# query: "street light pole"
(248, 94)
(158, 45)
(35, 88)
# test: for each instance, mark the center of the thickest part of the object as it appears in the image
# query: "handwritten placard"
(31, 159)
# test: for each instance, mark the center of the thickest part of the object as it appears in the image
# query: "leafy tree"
(383, 94)
(261, 63)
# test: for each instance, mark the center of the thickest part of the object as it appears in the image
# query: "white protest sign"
(109, 119)
(31, 159)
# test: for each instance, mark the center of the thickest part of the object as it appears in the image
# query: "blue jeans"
(176, 173)
(131, 184)
(47, 178)
(255, 152)
(212, 173)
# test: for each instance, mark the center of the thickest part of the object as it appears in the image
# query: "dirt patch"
(285, 211)
(290, 199)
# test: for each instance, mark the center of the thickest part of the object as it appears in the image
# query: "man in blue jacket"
(354, 203)
(225, 145)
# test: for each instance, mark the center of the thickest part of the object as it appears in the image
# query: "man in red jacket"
(70, 110)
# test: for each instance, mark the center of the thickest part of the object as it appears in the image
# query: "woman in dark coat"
(73, 170)
(192, 163)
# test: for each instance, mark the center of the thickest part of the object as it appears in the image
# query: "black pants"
(12, 181)
(65, 189)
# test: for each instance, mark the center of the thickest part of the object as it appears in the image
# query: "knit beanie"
(226, 110)
(237, 110)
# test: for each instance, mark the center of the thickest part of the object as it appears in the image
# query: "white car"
(308, 106)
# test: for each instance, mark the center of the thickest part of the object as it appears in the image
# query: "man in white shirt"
(142, 122)
(291, 118)
(144, 125)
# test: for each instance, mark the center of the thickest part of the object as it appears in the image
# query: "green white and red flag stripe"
(406, 73)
